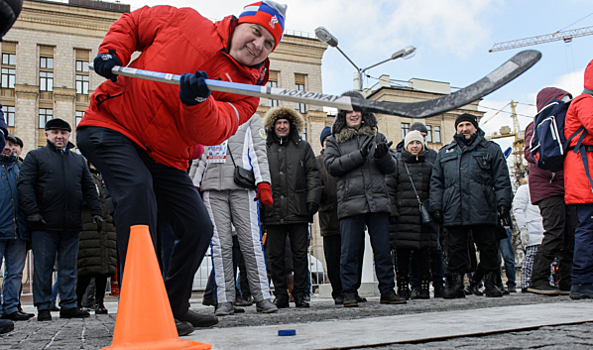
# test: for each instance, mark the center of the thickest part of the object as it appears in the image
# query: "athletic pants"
(239, 208)
(138, 185)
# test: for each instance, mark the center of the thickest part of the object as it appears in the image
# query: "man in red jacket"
(140, 135)
(546, 190)
(578, 188)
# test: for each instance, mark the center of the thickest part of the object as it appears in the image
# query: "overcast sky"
(452, 37)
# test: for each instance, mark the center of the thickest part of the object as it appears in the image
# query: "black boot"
(403, 289)
(492, 290)
(100, 308)
(424, 292)
(473, 288)
(455, 290)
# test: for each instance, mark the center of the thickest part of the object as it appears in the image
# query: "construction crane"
(566, 35)
(505, 131)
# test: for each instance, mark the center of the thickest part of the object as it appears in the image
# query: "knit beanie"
(419, 126)
(268, 14)
(466, 117)
(327, 131)
(413, 136)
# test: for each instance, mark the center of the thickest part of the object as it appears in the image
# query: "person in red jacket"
(546, 190)
(577, 168)
(140, 134)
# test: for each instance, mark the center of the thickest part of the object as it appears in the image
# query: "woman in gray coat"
(360, 158)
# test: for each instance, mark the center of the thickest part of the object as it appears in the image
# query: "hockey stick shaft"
(493, 81)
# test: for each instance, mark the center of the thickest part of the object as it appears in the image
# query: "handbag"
(423, 207)
(242, 177)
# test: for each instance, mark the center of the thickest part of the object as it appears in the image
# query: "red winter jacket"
(149, 113)
(580, 113)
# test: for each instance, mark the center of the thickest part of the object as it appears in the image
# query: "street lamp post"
(325, 36)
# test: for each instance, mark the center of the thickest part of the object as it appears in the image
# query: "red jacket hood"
(589, 76)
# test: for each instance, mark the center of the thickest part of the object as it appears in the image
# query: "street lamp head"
(405, 53)
(326, 37)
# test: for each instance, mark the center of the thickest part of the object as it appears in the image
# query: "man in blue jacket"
(13, 234)
(53, 184)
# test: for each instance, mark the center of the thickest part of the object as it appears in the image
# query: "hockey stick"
(496, 79)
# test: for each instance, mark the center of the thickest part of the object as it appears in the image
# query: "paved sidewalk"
(327, 326)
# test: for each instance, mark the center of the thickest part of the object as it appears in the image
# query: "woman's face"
(415, 147)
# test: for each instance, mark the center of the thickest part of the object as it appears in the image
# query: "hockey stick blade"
(496, 79)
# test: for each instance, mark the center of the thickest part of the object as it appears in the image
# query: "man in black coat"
(296, 190)
(470, 190)
(53, 184)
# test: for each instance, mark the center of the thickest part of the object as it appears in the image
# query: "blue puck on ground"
(286, 332)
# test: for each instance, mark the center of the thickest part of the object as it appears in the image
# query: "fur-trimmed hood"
(343, 133)
(297, 122)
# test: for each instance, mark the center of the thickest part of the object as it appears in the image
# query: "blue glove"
(103, 64)
(193, 88)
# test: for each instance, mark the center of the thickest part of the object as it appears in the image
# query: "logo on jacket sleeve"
(262, 133)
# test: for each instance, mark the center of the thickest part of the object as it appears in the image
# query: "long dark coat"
(97, 250)
(407, 230)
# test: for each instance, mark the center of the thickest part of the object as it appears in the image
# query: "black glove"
(437, 216)
(98, 220)
(103, 64)
(35, 221)
(504, 215)
(365, 149)
(382, 149)
(193, 88)
(312, 208)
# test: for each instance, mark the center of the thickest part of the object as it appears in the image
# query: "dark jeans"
(100, 285)
(352, 230)
(165, 243)
(45, 244)
(332, 248)
(582, 270)
(138, 185)
(422, 265)
(484, 237)
(276, 243)
(560, 221)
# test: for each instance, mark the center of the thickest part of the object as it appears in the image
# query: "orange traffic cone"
(144, 317)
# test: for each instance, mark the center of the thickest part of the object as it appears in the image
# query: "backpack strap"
(583, 151)
(577, 147)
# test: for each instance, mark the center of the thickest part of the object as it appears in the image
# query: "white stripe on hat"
(250, 8)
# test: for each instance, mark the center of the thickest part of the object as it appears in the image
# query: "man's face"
(58, 137)
(354, 119)
(467, 129)
(17, 150)
(281, 128)
(251, 44)
(7, 151)
(423, 136)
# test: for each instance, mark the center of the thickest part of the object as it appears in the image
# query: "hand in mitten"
(365, 149)
(103, 63)
(382, 149)
(193, 88)
(264, 193)
(437, 215)
(98, 220)
(312, 208)
(35, 221)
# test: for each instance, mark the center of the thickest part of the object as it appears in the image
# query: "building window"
(46, 81)
(9, 115)
(79, 115)
(82, 84)
(437, 134)
(45, 115)
(271, 102)
(46, 68)
(428, 133)
(8, 70)
(299, 84)
(405, 129)
(82, 66)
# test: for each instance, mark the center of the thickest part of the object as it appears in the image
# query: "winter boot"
(100, 308)
(424, 286)
(492, 290)
(455, 289)
(473, 288)
(403, 289)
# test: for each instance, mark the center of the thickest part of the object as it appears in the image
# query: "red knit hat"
(267, 14)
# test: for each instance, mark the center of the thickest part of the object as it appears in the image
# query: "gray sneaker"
(225, 309)
(265, 306)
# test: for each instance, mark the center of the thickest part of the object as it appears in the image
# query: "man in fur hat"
(359, 156)
(296, 191)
